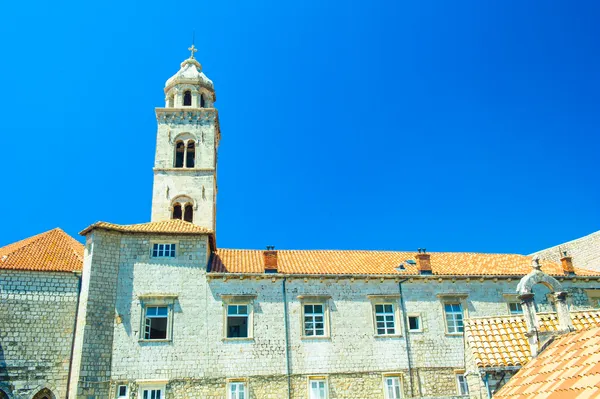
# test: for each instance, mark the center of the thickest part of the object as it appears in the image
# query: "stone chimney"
(270, 259)
(423, 262)
(567, 264)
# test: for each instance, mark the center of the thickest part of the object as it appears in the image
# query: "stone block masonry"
(37, 319)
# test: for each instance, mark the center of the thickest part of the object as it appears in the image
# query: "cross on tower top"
(193, 49)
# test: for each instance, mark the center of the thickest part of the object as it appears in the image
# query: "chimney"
(567, 264)
(423, 262)
(270, 259)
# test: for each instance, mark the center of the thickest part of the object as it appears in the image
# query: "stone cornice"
(182, 170)
(187, 115)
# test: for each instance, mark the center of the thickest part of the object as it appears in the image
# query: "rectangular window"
(236, 390)
(392, 387)
(237, 321)
(414, 323)
(156, 323)
(163, 250)
(515, 308)
(454, 318)
(384, 318)
(314, 320)
(317, 388)
(121, 391)
(152, 393)
(461, 384)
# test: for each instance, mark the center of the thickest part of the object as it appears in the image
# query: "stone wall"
(585, 252)
(37, 319)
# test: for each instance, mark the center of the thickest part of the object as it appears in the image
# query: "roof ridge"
(379, 250)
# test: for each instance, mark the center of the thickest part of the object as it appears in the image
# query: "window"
(314, 320)
(179, 154)
(392, 387)
(188, 215)
(384, 319)
(152, 392)
(414, 323)
(317, 388)
(236, 390)
(515, 308)
(461, 384)
(202, 102)
(177, 211)
(593, 297)
(121, 391)
(187, 98)
(454, 318)
(237, 321)
(163, 250)
(157, 321)
(190, 155)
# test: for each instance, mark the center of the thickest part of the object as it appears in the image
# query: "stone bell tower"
(185, 167)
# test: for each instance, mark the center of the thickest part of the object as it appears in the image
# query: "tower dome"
(189, 87)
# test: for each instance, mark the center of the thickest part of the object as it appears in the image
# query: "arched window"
(187, 98)
(202, 102)
(3, 395)
(179, 152)
(188, 215)
(44, 394)
(176, 211)
(191, 155)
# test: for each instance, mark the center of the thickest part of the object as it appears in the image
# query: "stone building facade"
(585, 252)
(162, 312)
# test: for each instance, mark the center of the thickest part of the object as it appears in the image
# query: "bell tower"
(185, 167)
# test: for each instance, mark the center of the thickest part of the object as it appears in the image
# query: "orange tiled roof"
(53, 250)
(501, 341)
(568, 368)
(381, 263)
(174, 226)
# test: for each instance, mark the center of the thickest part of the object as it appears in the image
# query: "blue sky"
(455, 126)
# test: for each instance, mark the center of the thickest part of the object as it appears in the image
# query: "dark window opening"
(191, 155)
(237, 321)
(202, 102)
(188, 214)
(179, 152)
(177, 211)
(414, 323)
(187, 98)
(156, 322)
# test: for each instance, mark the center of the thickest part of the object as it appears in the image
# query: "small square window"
(515, 308)
(385, 319)
(237, 321)
(236, 390)
(392, 387)
(461, 384)
(156, 322)
(121, 391)
(414, 323)
(163, 250)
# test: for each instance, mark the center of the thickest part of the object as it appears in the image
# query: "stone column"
(531, 321)
(562, 309)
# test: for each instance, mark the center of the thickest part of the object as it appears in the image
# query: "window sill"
(415, 331)
(316, 338)
(457, 334)
(150, 341)
(248, 339)
(388, 336)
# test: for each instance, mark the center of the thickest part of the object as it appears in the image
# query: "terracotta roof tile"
(485, 337)
(381, 263)
(53, 250)
(174, 226)
(568, 368)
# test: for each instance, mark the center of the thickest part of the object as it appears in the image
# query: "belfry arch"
(44, 393)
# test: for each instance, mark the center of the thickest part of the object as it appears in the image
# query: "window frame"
(241, 381)
(400, 378)
(156, 300)
(385, 299)
(311, 378)
(453, 298)
(247, 300)
(315, 300)
(593, 296)
(175, 249)
(152, 386)
(419, 317)
(118, 396)
(457, 375)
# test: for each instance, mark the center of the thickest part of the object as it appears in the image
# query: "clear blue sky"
(451, 125)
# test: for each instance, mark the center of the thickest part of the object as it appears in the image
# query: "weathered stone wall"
(37, 319)
(585, 252)
(92, 352)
